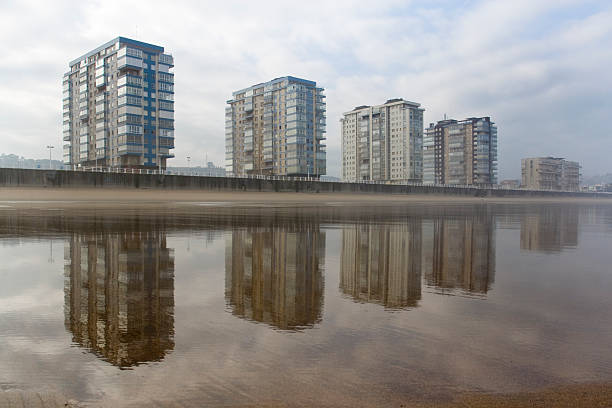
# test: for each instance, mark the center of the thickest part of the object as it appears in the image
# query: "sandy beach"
(571, 396)
(151, 196)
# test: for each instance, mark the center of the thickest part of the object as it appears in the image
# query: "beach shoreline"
(565, 396)
(109, 196)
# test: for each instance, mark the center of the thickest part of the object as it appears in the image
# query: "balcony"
(129, 80)
(127, 62)
(166, 59)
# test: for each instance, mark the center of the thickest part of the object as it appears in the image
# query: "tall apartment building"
(460, 152)
(550, 173)
(118, 106)
(383, 142)
(276, 128)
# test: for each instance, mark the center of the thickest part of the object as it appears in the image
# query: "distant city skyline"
(541, 70)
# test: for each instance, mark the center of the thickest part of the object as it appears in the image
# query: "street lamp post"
(50, 147)
(188, 165)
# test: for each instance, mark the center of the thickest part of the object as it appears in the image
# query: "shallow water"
(311, 305)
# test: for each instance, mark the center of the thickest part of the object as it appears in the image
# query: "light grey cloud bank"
(540, 69)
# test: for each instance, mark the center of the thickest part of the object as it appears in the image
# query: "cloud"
(539, 69)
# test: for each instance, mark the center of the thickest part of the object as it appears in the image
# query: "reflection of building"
(274, 274)
(460, 253)
(119, 295)
(551, 229)
(382, 263)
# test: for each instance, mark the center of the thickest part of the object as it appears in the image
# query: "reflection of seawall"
(550, 229)
(119, 295)
(460, 254)
(381, 263)
(273, 274)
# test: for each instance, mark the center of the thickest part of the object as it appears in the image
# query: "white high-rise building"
(383, 142)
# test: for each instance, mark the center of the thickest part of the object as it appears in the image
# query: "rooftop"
(276, 80)
(121, 40)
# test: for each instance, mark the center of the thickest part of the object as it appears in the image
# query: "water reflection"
(382, 263)
(119, 295)
(274, 274)
(550, 229)
(267, 265)
(459, 254)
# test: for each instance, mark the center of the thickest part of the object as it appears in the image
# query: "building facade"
(383, 142)
(550, 173)
(460, 152)
(118, 106)
(276, 128)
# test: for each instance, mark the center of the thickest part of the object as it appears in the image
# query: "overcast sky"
(541, 69)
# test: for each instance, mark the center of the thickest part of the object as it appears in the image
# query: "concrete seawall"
(84, 179)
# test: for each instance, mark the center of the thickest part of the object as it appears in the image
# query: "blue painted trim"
(143, 45)
(291, 79)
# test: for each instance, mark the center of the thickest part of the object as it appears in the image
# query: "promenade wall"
(89, 179)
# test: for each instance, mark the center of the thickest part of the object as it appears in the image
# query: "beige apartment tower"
(276, 128)
(550, 173)
(383, 142)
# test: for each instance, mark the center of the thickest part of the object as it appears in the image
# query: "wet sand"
(151, 196)
(570, 396)
(574, 396)
(43, 399)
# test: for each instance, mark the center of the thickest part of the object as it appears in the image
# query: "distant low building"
(510, 184)
(599, 188)
(330, 178)
(210, 170)
(550, 173)
(12, 161)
